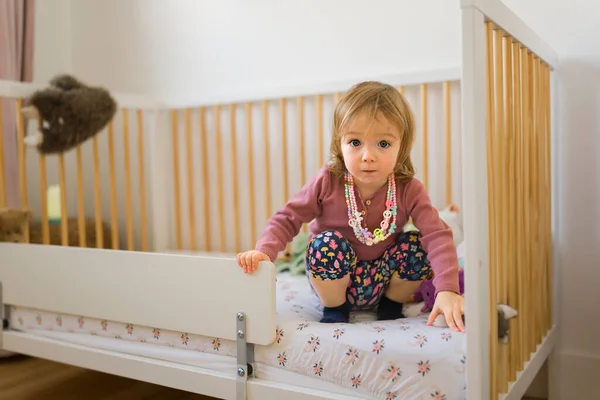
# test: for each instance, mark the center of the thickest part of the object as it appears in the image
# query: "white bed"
(198, 323)
(366, 358)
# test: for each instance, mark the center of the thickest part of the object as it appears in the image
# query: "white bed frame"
(100, 280)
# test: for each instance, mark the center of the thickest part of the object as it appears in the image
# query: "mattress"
(401, 359)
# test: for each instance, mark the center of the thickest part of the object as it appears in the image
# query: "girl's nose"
(367, 155)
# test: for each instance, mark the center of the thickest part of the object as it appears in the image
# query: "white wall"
(53, 39)
(223, 48)
(194, 52)
(206, 48)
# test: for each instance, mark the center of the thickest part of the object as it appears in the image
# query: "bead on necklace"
(355, 218)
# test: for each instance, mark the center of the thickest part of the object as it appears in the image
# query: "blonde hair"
(375, 97)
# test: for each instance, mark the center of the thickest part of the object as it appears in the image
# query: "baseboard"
(578, 374)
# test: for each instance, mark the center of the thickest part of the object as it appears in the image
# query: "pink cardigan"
(322, 201)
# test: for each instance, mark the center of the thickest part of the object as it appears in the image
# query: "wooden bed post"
(475, 195)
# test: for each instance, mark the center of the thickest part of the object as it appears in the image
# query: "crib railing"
(101, 182)
(520, 197)
(164, 179)
(507, 128)
(234, 164)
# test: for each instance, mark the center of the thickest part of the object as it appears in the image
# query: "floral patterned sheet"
(402, 359)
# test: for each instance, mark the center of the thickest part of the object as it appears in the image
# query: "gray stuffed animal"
(505, 312)
(68, 113)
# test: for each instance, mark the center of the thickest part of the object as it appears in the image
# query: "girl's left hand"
(452, 306)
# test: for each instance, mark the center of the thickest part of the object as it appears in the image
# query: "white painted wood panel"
(497, 11)
(186, 293)
(178, 376)
(21, 90)
(475, 201)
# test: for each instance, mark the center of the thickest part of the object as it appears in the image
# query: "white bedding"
(402, 359)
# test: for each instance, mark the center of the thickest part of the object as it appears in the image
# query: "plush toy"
(450, 215)
(68, 113)
(426, 295)
(505, 312)
(12, 224)
(426, 291)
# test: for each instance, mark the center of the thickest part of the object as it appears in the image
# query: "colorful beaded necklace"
(355, 216)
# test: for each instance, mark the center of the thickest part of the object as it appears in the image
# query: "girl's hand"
(452, 306)
(249, 260)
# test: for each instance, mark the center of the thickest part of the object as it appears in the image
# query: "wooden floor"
(25, 378)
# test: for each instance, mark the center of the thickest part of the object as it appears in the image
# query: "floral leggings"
(330, 256)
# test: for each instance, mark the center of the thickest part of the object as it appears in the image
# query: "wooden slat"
(80, 199)
(521, 234)
(520, 206)
(284, 156)
(534, 202)
(425, 135)
(301, 139)
(221, 198)
(320, 159)
(205, 180)
(142, 179)
(284, 149)
(176, 185)
(448, 141)
(190, 179)
(234, 178)
(113, 186)
(251, 199)
(267, 156)
(526, 316)
(511, 259)
(502, 193)
(532, 206)
(22, 162)
(64, 222)
(97, 194)
(44, 200)
(126, 161)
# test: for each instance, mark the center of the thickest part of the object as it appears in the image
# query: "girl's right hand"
(249, 260)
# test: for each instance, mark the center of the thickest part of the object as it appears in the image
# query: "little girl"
(358, 256)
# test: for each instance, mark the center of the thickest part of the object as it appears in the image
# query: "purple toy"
(426, 292)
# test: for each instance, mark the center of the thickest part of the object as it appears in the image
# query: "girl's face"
(370, 149)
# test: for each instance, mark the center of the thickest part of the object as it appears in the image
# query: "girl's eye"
(384, 144)
(355, 142)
